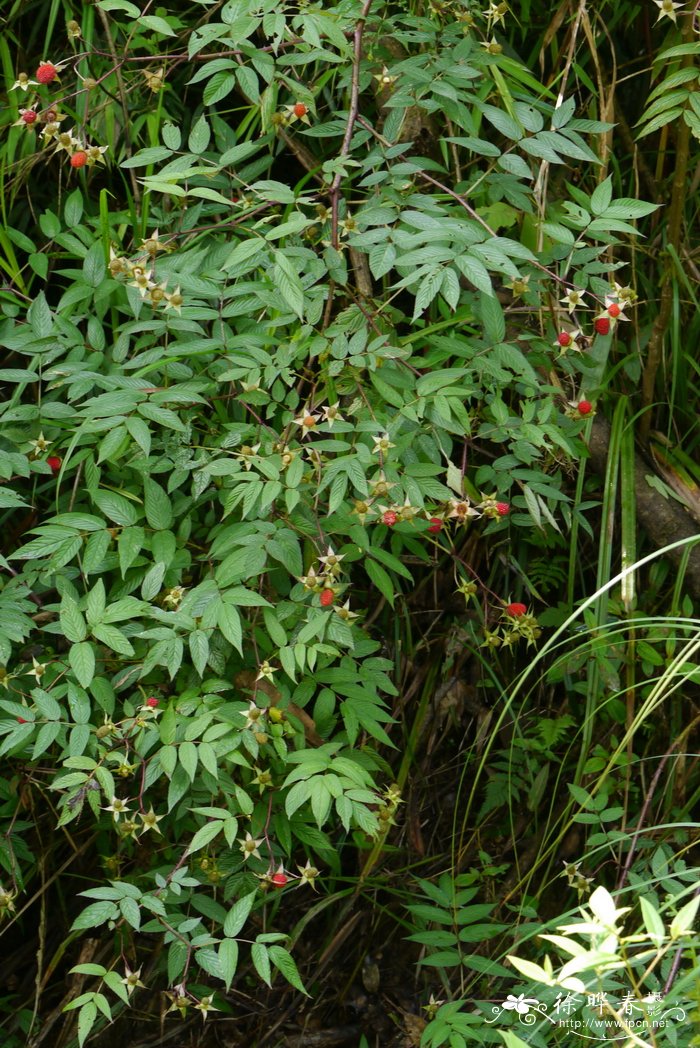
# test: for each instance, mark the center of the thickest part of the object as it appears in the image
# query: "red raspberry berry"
(602, 326)
(614, 310)
(327, 598)
(389, 518)
(564, 339)
(435, 524)
(46, 72)
(300, 109)
(29, 116)
(55, 463)
(78, 159)
(516, 609)
(503, 508)
(21, 720)
(279, 879)
(584, 407)
(152, 702)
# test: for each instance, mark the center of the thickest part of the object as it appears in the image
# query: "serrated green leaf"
(82, 661)
(205, 835)
(238, 915)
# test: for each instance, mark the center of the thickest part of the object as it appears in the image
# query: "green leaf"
(156, 24)
(682, 923)
(145, 157)
(289, 284)
(199, 136)
(172, 136)
(601, 196)
(199, 650)
(238, 914)
(218, 87)
(243, 252)
(82, 661)
(39, 316)
(187, 756)
(159, 511)
(72, 621)
(205, 835)
(284, 963)
(94, 915)
(116, 507)
(261, 962)
(113, 638)
(130, 912)
(228, 960)
(381, 580)
(86, 1021)
(652, 921)
(229, 622)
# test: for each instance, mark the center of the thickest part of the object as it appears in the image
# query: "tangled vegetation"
(348, 587)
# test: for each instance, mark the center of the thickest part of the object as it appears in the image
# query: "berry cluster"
(614, 312)
(326, 583)
(515, 623)
(143, 277)
(80, 154)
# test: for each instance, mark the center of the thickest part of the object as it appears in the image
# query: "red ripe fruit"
(584, 407)
(55, 463)
(29, 116)
(435, 524)
(389, 518)
(300, 109)
(516, 609)
(564, 339)
(614, 310)
(21, 720)
(602, 326)
(279, 879)
(327, 598)
(152, 702)
(503, 508)
(46, 72)
(78, 159)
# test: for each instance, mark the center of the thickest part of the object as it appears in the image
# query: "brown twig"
(352, 118)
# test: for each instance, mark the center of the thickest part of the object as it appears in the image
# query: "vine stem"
(352, 118)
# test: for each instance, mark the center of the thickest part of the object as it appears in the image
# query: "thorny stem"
(352, 118)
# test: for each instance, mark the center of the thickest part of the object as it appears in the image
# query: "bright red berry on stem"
(54, 462)
(300, 109)
(389, 518)
(435, 524)
(152, 702)
(327, 598)
(46, 72)
(21, 720)
(564, 339)
(29, 116)
(503, 508)
(584, 407)
(78, 159)
(516, 609)
(602, 326)
(614, 310)
(279, 879)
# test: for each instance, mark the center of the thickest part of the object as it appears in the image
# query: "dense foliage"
(334, 580)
